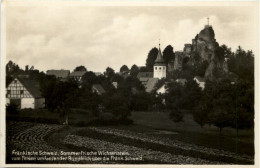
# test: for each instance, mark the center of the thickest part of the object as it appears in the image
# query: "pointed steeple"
(159, 59)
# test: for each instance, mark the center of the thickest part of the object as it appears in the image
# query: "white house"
(25, 93)
(200, 81)
(162, 89)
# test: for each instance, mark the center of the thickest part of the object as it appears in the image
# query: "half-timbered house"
(25, 93)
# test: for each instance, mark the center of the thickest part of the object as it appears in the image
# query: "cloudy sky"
(58, 36)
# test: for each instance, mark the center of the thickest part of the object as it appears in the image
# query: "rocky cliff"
(204, 47)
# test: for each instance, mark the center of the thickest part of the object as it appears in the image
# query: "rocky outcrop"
(178, 60)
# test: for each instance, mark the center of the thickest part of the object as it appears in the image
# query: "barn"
(25, 93)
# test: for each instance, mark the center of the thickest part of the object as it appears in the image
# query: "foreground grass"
(190, 132)
(158, 147)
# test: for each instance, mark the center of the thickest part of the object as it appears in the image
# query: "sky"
(65, 36)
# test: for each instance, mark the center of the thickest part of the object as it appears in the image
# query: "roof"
(99, 88)
(97, 73)
(200, 79)
(163, 86)
(32, 86)
(77, 73)
(145, 74)
(159, 60)
(59, 73)
(149, 83)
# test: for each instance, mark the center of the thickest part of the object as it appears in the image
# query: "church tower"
(159, 68)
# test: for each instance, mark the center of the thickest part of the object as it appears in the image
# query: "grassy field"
(189, 131)
(153, 136)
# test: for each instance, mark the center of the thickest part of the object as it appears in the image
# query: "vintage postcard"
(129, 84)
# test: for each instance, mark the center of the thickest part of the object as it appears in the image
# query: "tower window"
(160, 68)
(155, 68)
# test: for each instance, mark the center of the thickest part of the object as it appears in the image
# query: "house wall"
(161, 90)
(39, 103)
(7, 101)
(159, 72)
(28, 103)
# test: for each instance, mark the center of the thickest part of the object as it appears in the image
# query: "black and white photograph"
(103, 83)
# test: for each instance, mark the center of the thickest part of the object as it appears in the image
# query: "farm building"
(25, 93)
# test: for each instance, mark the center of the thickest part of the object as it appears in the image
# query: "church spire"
(159, 58)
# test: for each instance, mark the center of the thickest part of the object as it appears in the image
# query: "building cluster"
(25, 92)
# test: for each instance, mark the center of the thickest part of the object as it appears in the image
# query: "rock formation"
(178, 60)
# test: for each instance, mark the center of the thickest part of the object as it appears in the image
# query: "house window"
(21, 91)
(160, 68)
(15, 81)
(8, 91)
(155, 68)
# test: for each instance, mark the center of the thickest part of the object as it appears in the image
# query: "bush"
(12, 108)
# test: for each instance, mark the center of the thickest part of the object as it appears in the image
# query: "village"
(177, 100)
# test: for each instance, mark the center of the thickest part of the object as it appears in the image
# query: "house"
(98, 89)
(162, 89)
(200, 81)
(59, 74)
(25, 93)
(149, 83)
(181, 81)
(77, 75)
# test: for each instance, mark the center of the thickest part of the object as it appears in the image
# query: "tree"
(12, 68)
(152, 55)
(134, 70)
(109, 73)
(80, 68)
(242, 64)
(124, 68)
(168, 54)
(174, 101)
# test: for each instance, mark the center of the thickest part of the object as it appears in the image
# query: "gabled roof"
(99, 88)
(59, 73)
(77, 73)
(32, 86)
(145, 74)
(200, 79)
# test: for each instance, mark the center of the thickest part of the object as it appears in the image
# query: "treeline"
(61, 96)
(227, 101)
